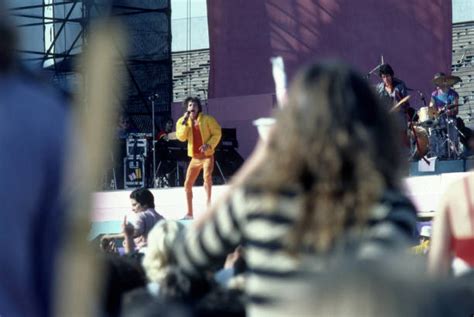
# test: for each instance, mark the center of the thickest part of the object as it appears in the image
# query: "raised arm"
(128, 232)
(205, 247)
(182, 128)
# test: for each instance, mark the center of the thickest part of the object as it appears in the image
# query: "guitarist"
(446, 101)
(444, 95)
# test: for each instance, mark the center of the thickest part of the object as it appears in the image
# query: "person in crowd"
(203, 133)
(159, 256)
(453, 228)
(135, 229)
(122, 275)
(158, 263)
(393, 286)
(327, 179)
(234, 265)
(206, 299)
(35, 124)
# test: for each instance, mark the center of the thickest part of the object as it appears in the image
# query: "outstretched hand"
(108, 245)
(127, 228)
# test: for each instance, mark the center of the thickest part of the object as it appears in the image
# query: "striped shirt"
(260, 221)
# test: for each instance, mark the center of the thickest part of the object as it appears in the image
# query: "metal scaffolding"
(54, 33)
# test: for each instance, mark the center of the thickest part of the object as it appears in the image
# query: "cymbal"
(446, 80)
(401, 102)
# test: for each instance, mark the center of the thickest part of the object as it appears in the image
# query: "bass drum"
(427, 116)
(419, 142)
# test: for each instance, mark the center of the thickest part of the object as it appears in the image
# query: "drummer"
(391, 90)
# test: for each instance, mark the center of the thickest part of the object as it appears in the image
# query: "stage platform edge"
(109, 207)
(440, 167)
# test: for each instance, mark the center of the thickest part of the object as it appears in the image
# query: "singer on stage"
(203, 133)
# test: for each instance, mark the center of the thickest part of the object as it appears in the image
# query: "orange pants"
(194, 168)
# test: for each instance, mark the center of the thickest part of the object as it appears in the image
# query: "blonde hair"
(159, 255)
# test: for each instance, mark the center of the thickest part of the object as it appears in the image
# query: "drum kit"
(433, 132)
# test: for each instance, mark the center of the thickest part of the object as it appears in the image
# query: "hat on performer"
(440, 79)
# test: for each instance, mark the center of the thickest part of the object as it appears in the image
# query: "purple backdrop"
(413, 36)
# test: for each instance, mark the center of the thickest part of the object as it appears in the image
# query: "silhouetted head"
(8, 40)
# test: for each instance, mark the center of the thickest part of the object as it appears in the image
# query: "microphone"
(185, 118)
(153, 96)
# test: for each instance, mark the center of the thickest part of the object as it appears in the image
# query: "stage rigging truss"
(53, 33)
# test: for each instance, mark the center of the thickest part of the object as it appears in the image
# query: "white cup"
(263, 126)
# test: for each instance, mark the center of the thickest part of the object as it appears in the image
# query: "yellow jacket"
(210, 132)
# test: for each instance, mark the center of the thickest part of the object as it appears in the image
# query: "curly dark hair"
(192, 99)
(144, 197)
(386, 69)
(338, 145)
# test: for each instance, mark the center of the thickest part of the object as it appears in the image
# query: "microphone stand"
(152, 98)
